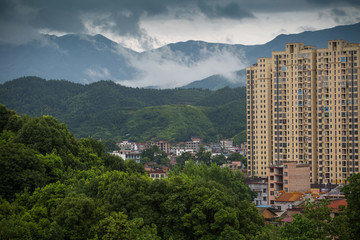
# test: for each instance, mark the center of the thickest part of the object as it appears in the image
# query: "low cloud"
(165, 68)
(97, 73)
(341, 16)
(305, 28)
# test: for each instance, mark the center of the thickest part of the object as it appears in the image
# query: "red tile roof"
(289, 197)
(337, 203)
(287, 219)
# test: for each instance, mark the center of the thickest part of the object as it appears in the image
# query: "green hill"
(170, 122)
(111, 111)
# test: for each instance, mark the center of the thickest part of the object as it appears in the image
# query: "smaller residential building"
(128, 154)
(259, 186)
(155, 171)
(163, 146)
(133, 155)
(288, 177)
(158, 174)
(235, 165)
(193, 144)
(177, 151)
(243, 149)
(288, 200)
(268, 214)
(126, 145)
(226, 143)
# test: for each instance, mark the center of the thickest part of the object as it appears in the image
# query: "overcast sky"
(147, 24)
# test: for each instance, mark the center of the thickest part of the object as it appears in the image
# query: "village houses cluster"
(131, 150)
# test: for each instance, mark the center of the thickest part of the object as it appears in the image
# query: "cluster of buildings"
(131, 150)
(303, 123)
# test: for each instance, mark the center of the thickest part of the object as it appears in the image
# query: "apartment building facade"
(303, 105)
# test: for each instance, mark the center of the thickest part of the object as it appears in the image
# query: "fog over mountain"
(86, 59)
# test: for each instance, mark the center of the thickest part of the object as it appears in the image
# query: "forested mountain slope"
(108, 110)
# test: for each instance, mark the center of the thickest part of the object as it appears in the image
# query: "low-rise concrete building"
(288, 177)
(259, 186)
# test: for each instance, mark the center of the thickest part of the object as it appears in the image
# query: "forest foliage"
(107, 110)
(54, 186)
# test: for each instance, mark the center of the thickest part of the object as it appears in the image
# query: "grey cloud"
(340, 16)
(306, 28)
(338, 12)
(123, 17)
(327, 3)
(67, 15)
(228, 10)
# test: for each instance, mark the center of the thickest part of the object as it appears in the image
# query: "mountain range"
(193, 64)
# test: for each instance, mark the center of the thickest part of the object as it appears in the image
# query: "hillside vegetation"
(110, 111)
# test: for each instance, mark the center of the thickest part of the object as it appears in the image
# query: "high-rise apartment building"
(303, 106)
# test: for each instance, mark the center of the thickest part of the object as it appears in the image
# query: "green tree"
(54, 167)
(5, 114)
(76, 215)
(20, 168)
(154, 154)
(209, 203)
(240, 138)
(46, 135)
(219, 159)
(237, 157)
(93, 144)
(113, 162)
(11, 224)
(182, 159)
(352, 194)
(110, 145)
(132, 166)
(149, 153)
(203, 156)
(315, 223)
(118, 226)
(15, 123)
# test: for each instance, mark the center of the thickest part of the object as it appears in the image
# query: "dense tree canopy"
(54, 186)
(352, 193)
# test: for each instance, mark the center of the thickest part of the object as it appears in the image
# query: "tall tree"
(203, 156)
(352, 193)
